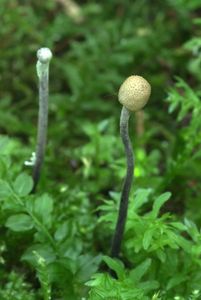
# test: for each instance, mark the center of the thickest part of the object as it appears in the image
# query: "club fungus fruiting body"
(133, 95)
(44, 56)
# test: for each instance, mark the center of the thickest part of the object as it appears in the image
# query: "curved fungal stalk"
(133, 95)
(116, 244)
(44, 56)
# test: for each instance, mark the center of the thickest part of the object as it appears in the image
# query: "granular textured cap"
(44, 55)
(134, 93)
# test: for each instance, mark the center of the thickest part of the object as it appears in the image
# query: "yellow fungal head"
(134, 93)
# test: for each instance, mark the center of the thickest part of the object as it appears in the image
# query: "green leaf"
(87, 266)
(61, 232)
(44, 250)
(101, 281)
(23, 184)
(179, 225)
(176, 280)
(60, 272)
(161, 255)
(4, 165)
(158, 203)
(184, 243)
(5, 190)
(147, 239)
(4, 144)
(20, 222)
(149, 285)
(140, 270)
(43, 207)
(141, 197)
(115, 265)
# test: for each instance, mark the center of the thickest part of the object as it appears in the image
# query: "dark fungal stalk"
(118, 236)
(44, 56)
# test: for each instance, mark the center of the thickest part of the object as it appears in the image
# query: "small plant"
(43, 276)
(13, 286)
(133, 95)
(44, 56)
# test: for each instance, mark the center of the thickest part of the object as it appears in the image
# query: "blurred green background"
(96, 45)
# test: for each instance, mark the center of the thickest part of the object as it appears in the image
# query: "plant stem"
(123, 208)
(43, 74)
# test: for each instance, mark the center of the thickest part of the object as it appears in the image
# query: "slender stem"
(123, 208)
(43, 74)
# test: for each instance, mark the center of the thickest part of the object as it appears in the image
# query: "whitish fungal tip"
(134, 92)
(44, 55)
